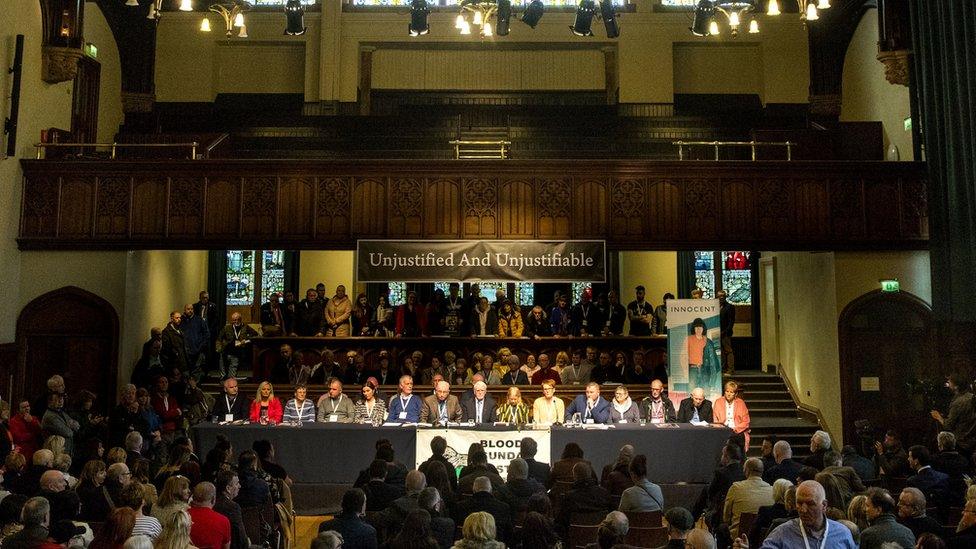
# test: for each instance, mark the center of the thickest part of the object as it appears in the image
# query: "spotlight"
(503, 17)
(584, 18)
(609, 18)
(186, 5)
(295, 17)
(703, 13)
(419, 10)
(533, 12)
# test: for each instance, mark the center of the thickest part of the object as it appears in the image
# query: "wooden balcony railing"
(635, 205)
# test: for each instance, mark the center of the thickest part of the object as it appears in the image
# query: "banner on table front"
(477, 260)
(501, 446)
(694, 347)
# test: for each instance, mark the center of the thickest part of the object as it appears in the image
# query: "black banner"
(477, 260)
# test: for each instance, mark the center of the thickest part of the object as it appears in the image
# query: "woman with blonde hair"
(548, 408)
(478, 533)
(266, 408)
(174, 498)
(115, 454)
(54, 443)
(857, 512)
(176, 532)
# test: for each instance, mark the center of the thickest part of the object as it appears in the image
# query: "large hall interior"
(809, 162)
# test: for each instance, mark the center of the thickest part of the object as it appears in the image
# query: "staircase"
(773, 412)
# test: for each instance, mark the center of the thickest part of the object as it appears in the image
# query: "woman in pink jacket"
(731, 411)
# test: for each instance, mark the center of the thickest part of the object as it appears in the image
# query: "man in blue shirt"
(591, 407)
(404, 408)
(812, 530)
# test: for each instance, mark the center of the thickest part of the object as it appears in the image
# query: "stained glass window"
(578, 288)
(488, 289)
(398, 292)
(679, 3)
(705, 280)
(275, 3)
(728, 270)
(272, 274)
(525, 293)
(240, 277)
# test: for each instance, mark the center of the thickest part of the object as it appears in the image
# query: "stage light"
(533, 13)
(419, 10)
(703, 15)
(583, 24)
(609, 18)
(503, 17)
(295, 18)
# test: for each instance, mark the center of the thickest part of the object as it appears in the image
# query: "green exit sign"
(890, 285)
(91, 50)
(908, 124)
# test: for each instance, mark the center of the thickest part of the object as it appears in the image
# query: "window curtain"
(217, 282)
(944, 85)
(686, 274)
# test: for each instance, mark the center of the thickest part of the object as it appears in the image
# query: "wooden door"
(889, 370)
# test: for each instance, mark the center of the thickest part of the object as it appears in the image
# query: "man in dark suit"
(231, 403)
(484, 500)
(712, 499)
(228, 485)
(785, 466)
(174, 346)
(933, 484)
(477, 405)
(438, 445)
(209, 312)
(379, 494)
(479, 468)
(308, 315)
(591, 407)
(272, 317)
(441, 406)
(537, 470)
(355, 531)
(695, 404)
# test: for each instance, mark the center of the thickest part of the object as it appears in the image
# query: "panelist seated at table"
(299, 409)
(623, 409)
(731, 411)
(514, 410)
(335, 407)
(441, 407)
(696, 408)
(548, 408)
(591, 407)
(656, 408)
(266, 408)
(404, 406)
(370, 409)
(477, 405)
(230, 406)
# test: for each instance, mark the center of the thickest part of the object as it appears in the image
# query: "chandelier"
(232, 14)
(736, 12)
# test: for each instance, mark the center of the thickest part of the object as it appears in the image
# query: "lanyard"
(403, 403)
(335, 405)
(301, 410)
(803, 532)
(227, 400)
(369, 408)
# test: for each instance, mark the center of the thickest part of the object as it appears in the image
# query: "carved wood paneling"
(112, 209)
(589, 207)
(632, 205)
(75, 218)
(480, 202)
(259, 206)
(296, 206)
(442, 208)
(332, 208)
(149, 199)
(186, 206)
(555, 199)
(223, 207)
(516, 209)
(407, 206)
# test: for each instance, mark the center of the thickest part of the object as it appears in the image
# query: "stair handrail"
(213, 144)
(805, 409)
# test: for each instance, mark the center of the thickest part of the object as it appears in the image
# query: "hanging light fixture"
(583, 25)
(205, 25)
(232, 13)
(186, 5)
(419, 10)
(295, 18)
(132, 3)
(737, 12)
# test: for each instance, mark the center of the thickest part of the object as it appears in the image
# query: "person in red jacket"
(168, 410)
(265, 407)
(411, 318)
(25, 430)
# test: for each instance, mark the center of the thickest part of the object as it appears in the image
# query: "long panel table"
(321, 453)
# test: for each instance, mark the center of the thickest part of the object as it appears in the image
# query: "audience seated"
(785, 467)
(965, 536)
(954, 464)
(396, 513)
(537, 470)
(880, 509)
(254, 491)
(64, 501)
(851, 483)
(911, 513)
(519, 485)
(228, 486)
(611, 532)
(35, 519)
(680, 523)
(349, 523)
(934, 484)
(478, 532)
(438, 445)
(479, 467)
(437, 477)
(115, 530)
(379, 494)
(562, 470)
(441, 525)
(812, 524)
(210, 529)
(174, 498)
(395, 471)
(746, 496)
(586, 496)
(644, 495)
(890, 457)
(482, 499)
(415, 534)
(712, 499)
(819, 445)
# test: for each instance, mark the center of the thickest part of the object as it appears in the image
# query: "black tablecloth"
(677, 454)
(320, 453)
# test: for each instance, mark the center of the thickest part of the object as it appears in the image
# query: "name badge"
(403, 415)
(622, 421)
(585, 323)
(228, 417)
(333, 418)
(589, 420)
(657, 420)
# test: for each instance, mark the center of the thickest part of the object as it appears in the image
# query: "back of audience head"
(117, 527)
(438, 445)
(416, 526)
(699, 539)
(204, 495)
(856, 511)
(946, 441)
(138, 542)
(353, 502)
(479, 526)
(612, 529)
(528, 448)
(43, 458)
(879, 502)
(223, 481)
(12, 509)
(481, 484)
(329, 539)
(415, 481)
(780, 486)
(572, 451)
(679, 522)
(732, 452)
(539, 503)
(430, 500)
(806, 473)
(638, 467)
(518, 469)
(753, 467)
(582, 471)
(928, 540)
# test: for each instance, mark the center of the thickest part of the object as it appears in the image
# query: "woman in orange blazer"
(740, 414)
(266, 404)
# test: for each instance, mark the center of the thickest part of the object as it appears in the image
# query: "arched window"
(727, 270)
